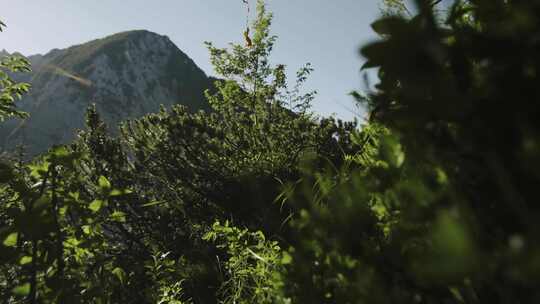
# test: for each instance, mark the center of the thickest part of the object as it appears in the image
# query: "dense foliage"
(10, 90)
(259, 201)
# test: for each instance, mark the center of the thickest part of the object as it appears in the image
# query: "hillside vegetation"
(430, 200)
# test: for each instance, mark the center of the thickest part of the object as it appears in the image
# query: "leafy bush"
(253, 266)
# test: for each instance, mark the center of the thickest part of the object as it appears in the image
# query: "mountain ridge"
(127, 75)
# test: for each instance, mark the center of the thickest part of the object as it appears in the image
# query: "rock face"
(126, 75)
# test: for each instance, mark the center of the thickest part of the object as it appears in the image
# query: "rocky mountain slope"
(126, 75)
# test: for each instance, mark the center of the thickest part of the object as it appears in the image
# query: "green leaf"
(59, 151)
(120, 274)
(25, 260)
(153, 204)
(118, 216)
(11, 240)
(39, 170)
(96, 205)
(62, 211)
(118, 192)
(86, 229)
(104, 183)
(286, 258)
(22, 290)
(61, 155)
(74, 195)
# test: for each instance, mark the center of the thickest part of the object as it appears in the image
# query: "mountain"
(126, 75)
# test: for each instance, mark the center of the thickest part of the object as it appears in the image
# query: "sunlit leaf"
(96, 205)
(25, 260)
(86, 229)
(118, 192)
(22, 290)
(11, 239)
(104, 183)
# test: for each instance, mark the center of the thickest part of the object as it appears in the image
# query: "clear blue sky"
(325, 33)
